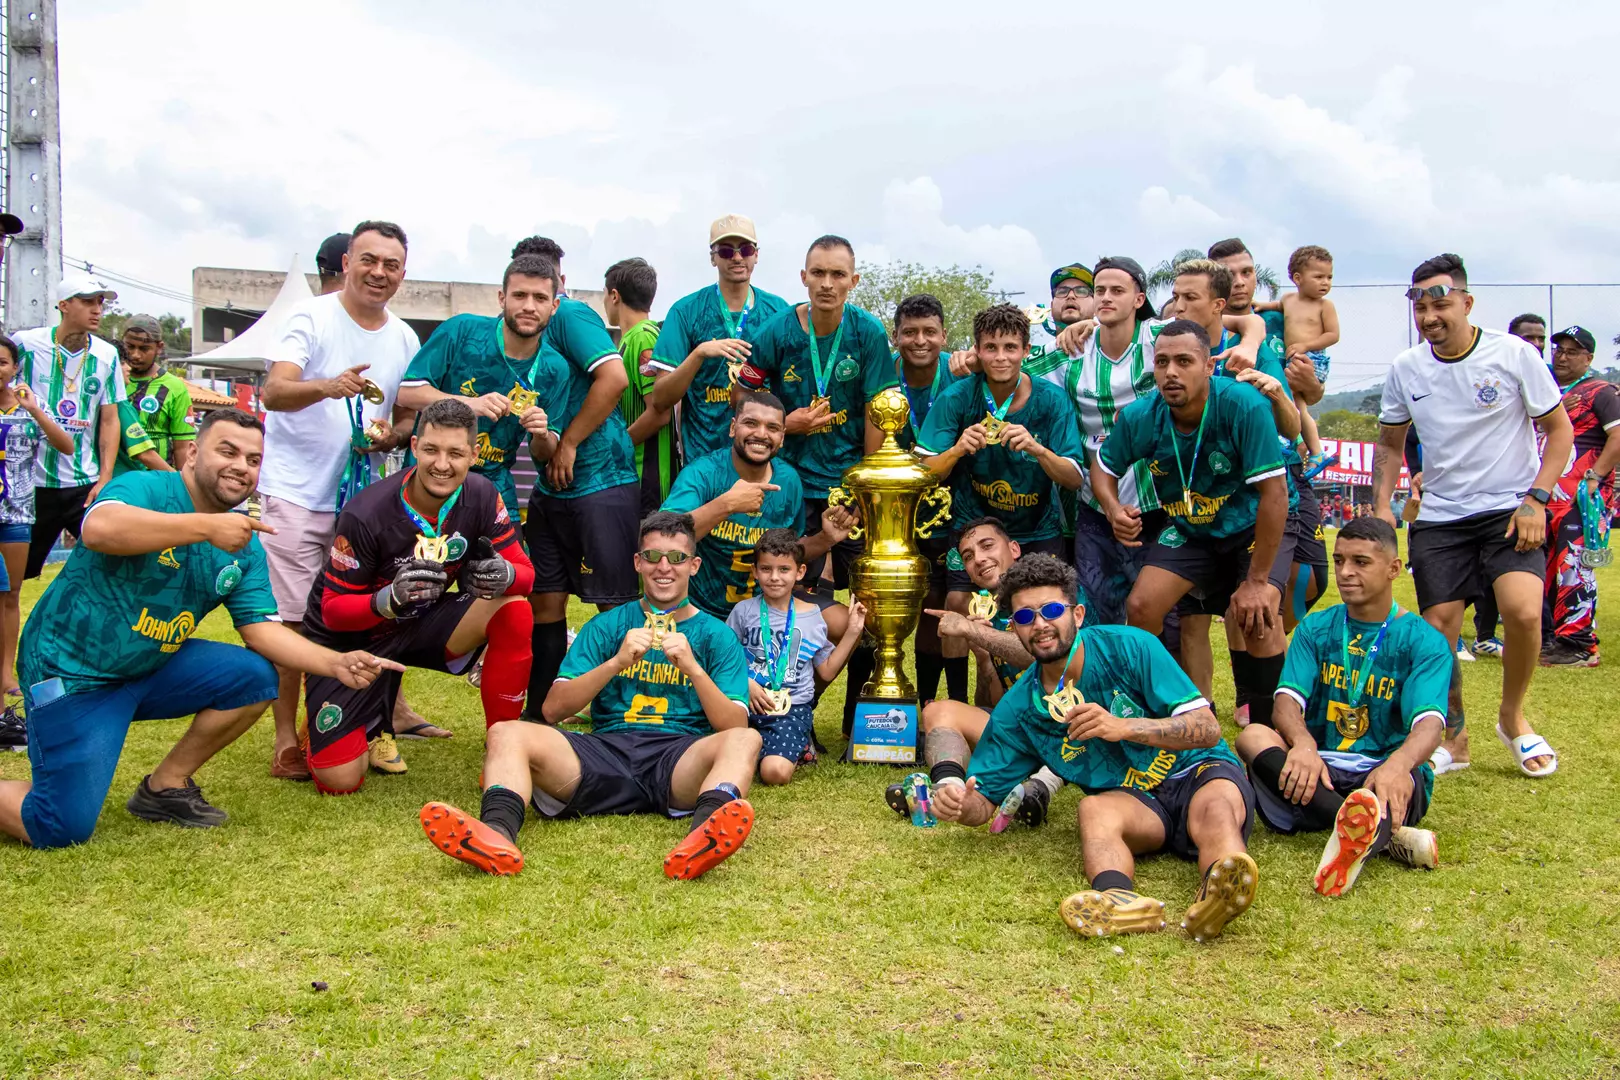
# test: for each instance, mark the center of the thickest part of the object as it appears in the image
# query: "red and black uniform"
(1569, 607)
(375, 538)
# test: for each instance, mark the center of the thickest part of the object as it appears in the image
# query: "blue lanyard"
(775, 665)
(1358, 683)
(735, 329)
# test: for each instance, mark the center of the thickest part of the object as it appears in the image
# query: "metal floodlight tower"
(33, 161)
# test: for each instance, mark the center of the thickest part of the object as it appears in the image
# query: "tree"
(1372, 403)
(1162, 276)
(176, 334)
(1344, 424)
(962, 291)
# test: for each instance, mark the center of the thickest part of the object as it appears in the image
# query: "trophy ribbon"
(940, 496)
(982, 605)
(841, 497)
(373, 393)
(431, 543)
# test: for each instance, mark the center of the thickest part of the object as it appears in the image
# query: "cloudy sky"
(1017, 136)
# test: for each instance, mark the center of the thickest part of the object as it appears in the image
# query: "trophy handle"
(840, 497)
(941, 495)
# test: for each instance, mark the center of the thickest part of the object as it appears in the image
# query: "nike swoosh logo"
(1420, 397)
(710, 846)
(468, 845)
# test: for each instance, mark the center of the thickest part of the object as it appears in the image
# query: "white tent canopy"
(251, 349)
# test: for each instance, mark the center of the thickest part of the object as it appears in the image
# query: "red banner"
(1355, 464)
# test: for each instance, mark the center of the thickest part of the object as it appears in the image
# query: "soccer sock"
(1324, 805)
(947, 770)
(502, 810)
(1113, 879)
(507, 661)
(710, 801)
(861, 664)
(1242, 679)
(929, 667)
(548, 643)
(956, 678)
(1266, 672)
(1048, 779)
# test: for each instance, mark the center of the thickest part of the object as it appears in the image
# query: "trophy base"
(885, 731)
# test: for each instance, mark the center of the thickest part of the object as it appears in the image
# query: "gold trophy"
(890, 578)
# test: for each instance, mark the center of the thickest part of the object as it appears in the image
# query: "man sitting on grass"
(667, 690)
(1106, 707)
(110, 642)
(1361, 706)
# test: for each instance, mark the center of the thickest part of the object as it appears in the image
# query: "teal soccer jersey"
(1238, 450)
(727, 574)
(922, 399)
(998, 482)
(575, 343)
(109, 619)
(466, 356)
(1126, 671)
(1411, 679)
(855, 376)
(694, 319)
(653, 691)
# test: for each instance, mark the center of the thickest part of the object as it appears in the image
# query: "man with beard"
(399, 545)
(708, 335)
(1474, 397)
(1106, 708)
(109, 643)
(734, 495)
(161, 398)
(667, 690)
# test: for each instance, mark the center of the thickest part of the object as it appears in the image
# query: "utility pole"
(33, 188)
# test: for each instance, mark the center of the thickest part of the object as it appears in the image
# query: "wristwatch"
(1541, 495)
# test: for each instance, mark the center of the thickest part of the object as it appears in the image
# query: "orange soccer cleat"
(711, 843)
(1355, 828)
(462, 836)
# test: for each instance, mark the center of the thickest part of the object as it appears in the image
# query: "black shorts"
(936, 549)
(1173, 797)
(1310, 542)
(336, 711)
(957, 580)
(55, 509)
(1282, 816)
(620, 772)
(586, 545)
(1217, 567)
(844, 553)
(1459, 560)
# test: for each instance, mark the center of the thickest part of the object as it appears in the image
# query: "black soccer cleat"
(13, 731)
(1037, 801)
(183, 806)
(895, 796)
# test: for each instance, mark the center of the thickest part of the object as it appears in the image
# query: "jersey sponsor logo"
(134, 433)
(67, 408)
(1151, 777)
(838, 419)
(1000, 496)
(1069, 751)
(170, 634)
(847, 370)
(1488, 393)
(168, 559)
(1201, 512)
(328, 718)
(342, 554)
(585, 567)
(228, 578)
(489, 454)
(456, 548)
(467, 388)
(149, 404)
(1155, 469)
(791, 374)
(717, 395)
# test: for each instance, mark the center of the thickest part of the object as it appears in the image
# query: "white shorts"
(295, 552)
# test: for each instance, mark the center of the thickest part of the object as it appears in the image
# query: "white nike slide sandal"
(1525, 747)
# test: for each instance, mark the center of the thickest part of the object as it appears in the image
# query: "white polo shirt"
(1475, 417)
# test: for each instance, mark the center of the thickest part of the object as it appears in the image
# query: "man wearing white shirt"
(316, 449)
(1476, 397)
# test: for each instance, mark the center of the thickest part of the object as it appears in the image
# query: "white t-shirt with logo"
(72, 387)
(1475, 418)
(305, 452)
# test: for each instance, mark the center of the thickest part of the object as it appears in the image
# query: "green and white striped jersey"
(1099, 388)
(72, 387)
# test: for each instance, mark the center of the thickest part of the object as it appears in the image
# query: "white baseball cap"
(79, 283)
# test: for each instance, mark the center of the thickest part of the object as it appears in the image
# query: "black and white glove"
(418, 582)
(487, 575)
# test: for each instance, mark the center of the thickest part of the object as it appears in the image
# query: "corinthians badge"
(982, 606)
(432, 548)
(1060, 702)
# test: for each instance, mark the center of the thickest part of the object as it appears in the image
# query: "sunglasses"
(730, 251)
(1433, 292)
(653, 555)
(1070, 290)
(1569, 350)
(1051, 611)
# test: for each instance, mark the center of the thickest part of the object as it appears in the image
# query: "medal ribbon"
(775, 666)
(515, 369)
(998, 411)
(735, 328)
(822, 374)
(5, 462)
(357, 471)
(941, 369)
(1198, 445)
(1035, 689)
(430, 531)
(1358, 684)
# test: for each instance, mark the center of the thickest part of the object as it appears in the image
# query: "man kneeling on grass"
(667, 690)
(1087, 710)
(785, 659)
(110, 642)
(1361, 706)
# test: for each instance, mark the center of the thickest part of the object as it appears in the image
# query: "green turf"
(839, 943)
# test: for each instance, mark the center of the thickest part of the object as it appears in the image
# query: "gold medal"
(373, 393)
(781, 701)
(1060, 702)
(734, 371)
(818, 401)
(432, 548)
(993, 427)
(982, 606)
(660, 623)
(522, 400)
(378, 432)
(1352, 723)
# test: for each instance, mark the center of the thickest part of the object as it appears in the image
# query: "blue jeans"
(74, 741)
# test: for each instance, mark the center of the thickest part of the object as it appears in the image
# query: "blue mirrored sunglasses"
(1051, 611)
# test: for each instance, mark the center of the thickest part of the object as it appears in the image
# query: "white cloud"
(914, 229)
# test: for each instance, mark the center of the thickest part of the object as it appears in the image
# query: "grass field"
(839, 943)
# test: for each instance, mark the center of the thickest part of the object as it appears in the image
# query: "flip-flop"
(424, 730)
(1525, 747)
(1442, 762)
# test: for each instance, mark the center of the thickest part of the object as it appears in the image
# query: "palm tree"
(1162, 276)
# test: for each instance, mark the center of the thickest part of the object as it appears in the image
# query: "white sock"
(1047, 779)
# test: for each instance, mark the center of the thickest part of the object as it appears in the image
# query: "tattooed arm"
(1387, 467)
(977, 632)
(1190, 730)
